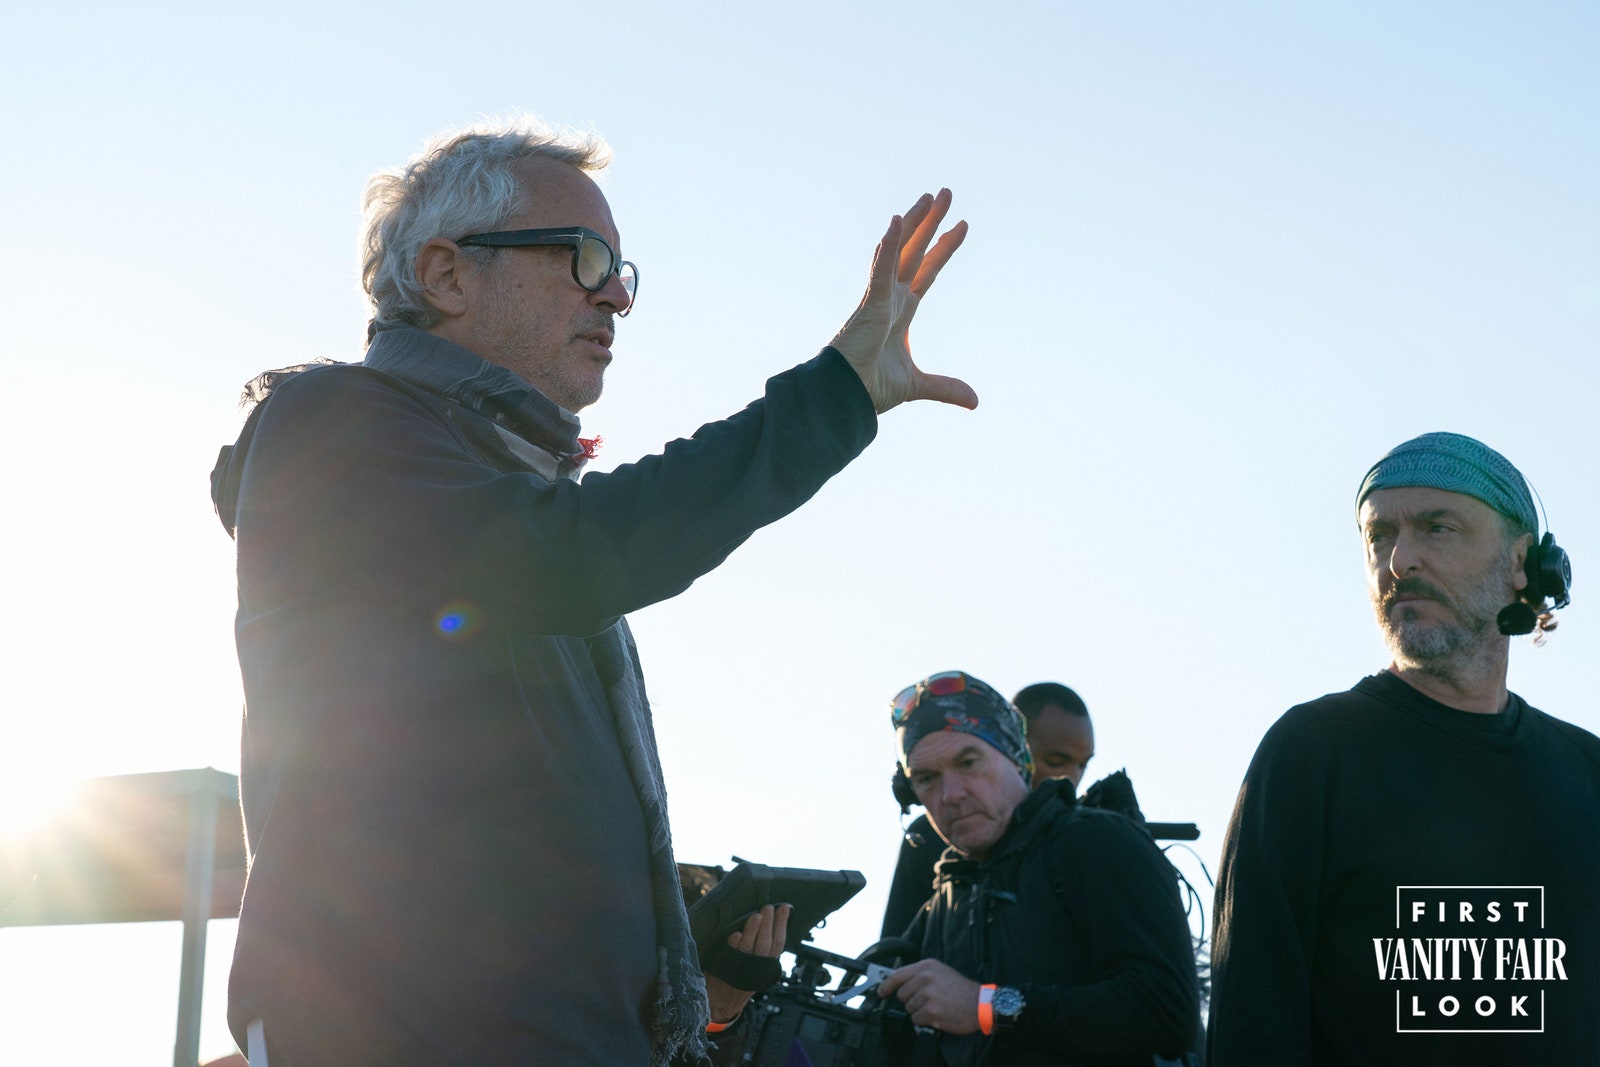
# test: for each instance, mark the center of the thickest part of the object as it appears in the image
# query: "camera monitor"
(813, 896)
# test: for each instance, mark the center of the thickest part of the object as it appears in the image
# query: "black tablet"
(814, 895)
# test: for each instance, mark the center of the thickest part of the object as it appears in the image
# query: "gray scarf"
(544, 435)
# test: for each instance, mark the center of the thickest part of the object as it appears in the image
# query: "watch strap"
(986, 1008)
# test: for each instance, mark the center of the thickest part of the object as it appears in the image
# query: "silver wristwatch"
(1007, 1005)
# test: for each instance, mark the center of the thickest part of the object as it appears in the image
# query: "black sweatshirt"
(1396, 866)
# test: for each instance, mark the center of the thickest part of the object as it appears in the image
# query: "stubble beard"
(1451, 646)
(537, 350)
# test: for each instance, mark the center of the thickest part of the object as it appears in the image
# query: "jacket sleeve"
(1266, 908)
(1121, 895)
(356, 489)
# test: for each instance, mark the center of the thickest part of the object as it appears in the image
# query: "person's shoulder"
(338, 393)
(1300, 745)
(1090, 852)
(322, 379)
(1315, 721)
(1567, 733)
(1086, 829)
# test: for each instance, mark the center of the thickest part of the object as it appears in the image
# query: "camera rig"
(822, 1011)
(840, 1024)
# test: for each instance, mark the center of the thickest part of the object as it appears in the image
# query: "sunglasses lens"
(630, 279)
(594, 264)
(938, 685)
(901, 707)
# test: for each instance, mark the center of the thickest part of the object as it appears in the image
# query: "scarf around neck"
(545, 436)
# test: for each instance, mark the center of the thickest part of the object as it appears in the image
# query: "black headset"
(1549, 572)
(903, 791)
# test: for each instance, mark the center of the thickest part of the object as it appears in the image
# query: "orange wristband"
(986, 1008)
(717, 1028)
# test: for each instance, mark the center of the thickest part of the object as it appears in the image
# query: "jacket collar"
(1036, 811)
(446, 368)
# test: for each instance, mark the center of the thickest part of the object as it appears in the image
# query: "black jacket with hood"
(1078, 909)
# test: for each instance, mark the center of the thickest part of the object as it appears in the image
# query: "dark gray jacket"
(449, 859)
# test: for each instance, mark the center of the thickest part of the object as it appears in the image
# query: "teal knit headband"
(1456, 464)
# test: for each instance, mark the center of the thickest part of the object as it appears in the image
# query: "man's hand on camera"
(876, 340)
(935, 995)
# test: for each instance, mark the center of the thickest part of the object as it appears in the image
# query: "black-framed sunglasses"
(593, 260)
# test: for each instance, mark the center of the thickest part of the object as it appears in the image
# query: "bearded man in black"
(1410, 873)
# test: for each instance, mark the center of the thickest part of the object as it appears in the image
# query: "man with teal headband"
(1412, 871)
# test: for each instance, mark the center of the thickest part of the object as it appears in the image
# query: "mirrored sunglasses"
(938, 685)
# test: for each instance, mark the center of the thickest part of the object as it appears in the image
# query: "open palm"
(877, 338)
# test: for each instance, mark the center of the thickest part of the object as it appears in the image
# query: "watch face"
(1007, 1002)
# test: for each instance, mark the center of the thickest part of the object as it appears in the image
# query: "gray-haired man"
(457, 826)
(1410, 873)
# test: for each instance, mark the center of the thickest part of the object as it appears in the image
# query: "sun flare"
(29, 797)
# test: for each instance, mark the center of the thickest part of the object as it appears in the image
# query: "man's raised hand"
(876, 340)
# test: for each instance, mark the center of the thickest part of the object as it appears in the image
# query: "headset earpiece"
(903, 791)
(1549, 573)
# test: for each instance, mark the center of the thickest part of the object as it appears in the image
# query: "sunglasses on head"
(937, 685)
(593, 260)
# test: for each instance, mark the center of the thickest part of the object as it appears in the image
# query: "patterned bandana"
(977, 710)
(1456, 464)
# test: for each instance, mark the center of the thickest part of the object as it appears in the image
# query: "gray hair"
(461, 183)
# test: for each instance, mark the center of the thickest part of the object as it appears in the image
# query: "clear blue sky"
(1222, 257)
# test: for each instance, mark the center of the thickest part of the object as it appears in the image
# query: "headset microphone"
(1516, 619)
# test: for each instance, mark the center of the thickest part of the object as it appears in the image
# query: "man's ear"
(1519, 561)
(444, 272)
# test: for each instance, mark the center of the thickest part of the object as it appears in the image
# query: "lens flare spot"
(458, 620)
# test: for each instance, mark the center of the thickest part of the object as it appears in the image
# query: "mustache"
(1414, 587)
